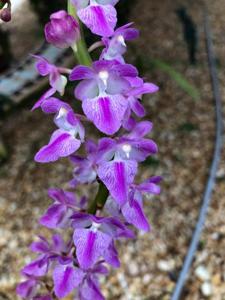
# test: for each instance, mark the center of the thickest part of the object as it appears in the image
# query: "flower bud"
(5, 14)
(63, 30)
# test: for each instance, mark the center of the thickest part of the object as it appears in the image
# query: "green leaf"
(169, 70)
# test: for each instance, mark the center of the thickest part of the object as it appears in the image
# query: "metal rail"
(214, 166)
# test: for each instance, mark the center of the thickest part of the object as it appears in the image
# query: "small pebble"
(202, 273)
(146, 278)
(166, 266)
(133, 268)
(206, 289)
(220, 174)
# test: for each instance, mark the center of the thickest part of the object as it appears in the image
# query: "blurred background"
(170, 52)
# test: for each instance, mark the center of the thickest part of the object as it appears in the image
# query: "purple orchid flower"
(66, 278)
(134, 105)
(115, 46)
(48, 253)
(28, 288)
(89, 289)
(131, 146)
(132, 210)
(85, 168)
(118, 175)
(98, 15)
(63, 30)
(57, 81)
(63, 141)
(93, 238)
(102, 92)
(48, 94)
(121, 157)
(59, 213)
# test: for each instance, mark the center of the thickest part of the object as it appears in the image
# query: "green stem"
(2, 4)
(80, 49)
(100, 199)
(83, 57)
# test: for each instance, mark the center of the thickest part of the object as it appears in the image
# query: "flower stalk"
(79, 48)
(100, 199)
(110, 91)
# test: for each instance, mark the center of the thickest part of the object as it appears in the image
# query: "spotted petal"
(117, 175)
(54, 216)
(61, 144)
(100, 19)
(66, 278)
(90, 246)
(106, 112)
(134, 214)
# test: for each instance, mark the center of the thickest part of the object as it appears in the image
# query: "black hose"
(214, 166)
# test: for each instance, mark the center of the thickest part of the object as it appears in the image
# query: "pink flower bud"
(5, 15)
(63, 30)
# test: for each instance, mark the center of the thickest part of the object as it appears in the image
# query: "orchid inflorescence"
(110, 91)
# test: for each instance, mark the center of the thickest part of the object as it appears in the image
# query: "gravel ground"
(184, 131)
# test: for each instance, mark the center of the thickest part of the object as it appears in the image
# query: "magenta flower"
(85, 168)
(132, 210)
(63, 141)
(27, 289)
(115, 46)
(131, 146)
(57, 81)
(93, 238)
(89, 289)
(98, 15)
(59, 213)
(117, 175)
(138, 90)
(63, 30)
(48, 253)
(102, 92)
(66, 278)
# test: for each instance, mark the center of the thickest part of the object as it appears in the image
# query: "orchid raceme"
(110, 91)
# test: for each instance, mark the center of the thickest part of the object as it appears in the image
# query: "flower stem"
(80, 49)
(2, 4)
(83, 57)
(100, 199)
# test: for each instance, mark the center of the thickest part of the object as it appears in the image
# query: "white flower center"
(95, 226)
(121, 40)
(127, 149)
(62, 113)
(103, 75)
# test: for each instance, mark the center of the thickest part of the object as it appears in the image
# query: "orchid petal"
(117, 176)
(106, 112)
(101, 20)
(61, 144)
(90, 246)
(66, 278)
